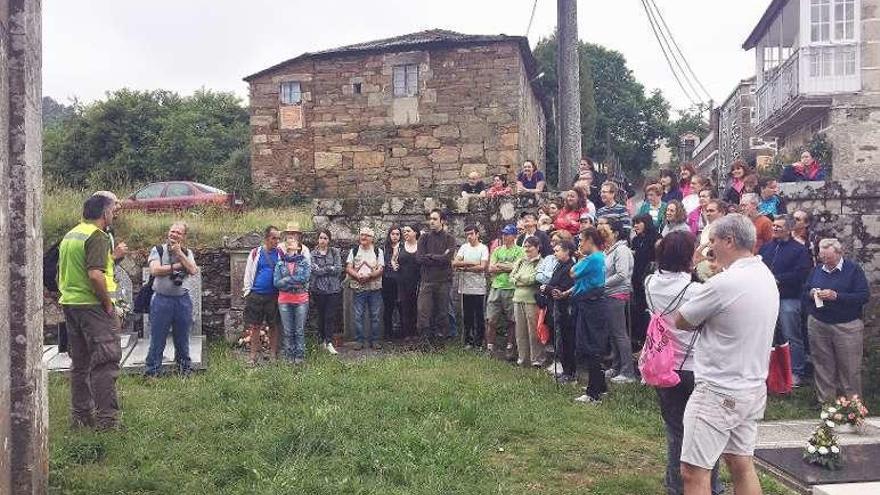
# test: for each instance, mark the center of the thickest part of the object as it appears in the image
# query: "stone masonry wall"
(470, 113)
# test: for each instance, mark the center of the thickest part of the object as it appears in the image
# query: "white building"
(818, 70)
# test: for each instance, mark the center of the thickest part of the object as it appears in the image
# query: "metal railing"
(779, 88)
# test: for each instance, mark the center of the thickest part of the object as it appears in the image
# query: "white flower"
(829, 424)
(824, 415)
(832, 410)
(811, 449)
(823, 450)
(835, 449)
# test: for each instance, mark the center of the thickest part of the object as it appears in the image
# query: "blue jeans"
(370, 300)
(790, 324)
(293, 324)
(169, 312)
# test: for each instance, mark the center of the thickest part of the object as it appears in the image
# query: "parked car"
(179, 195)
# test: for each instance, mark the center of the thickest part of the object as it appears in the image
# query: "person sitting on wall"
(805, 170)
(569, 217)
(530, 180)
(474, 187)
(499, 187)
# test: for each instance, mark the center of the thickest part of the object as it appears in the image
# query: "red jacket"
(568, 220)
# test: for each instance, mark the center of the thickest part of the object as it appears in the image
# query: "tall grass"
(446, 423)
(62, 207)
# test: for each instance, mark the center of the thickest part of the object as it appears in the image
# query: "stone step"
(138, 355)
(848, 489)
(60, 361)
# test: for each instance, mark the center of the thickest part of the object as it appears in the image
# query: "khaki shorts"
(720, 423)
(500, 302)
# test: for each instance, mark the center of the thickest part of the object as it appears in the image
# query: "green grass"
(449, 423)
(62, 207)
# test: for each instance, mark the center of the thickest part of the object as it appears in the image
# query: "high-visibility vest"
(73, 276)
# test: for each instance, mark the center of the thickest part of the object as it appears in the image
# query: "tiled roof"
(413, 40)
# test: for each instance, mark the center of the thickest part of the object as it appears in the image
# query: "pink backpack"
(657, 360)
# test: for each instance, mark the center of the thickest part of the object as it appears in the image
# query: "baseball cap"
(509, 230)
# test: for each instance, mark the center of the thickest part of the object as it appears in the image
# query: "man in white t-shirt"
(737, 310)
(364, 267)
(471, 261)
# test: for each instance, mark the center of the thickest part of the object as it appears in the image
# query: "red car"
(179, 195)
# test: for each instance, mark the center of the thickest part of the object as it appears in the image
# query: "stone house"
(818, 70)
(404, 115)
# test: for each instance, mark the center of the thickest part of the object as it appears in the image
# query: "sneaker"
(586, 399)
(490, 348)
(622, 379)
(468, 347)
(358, 346)
(554, 367)
(537, 364)
(611, 373)
(332, 350)
(520, 362)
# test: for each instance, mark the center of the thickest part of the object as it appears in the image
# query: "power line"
(666, 55)
(531, 17)
(681, 54)
(668, 45)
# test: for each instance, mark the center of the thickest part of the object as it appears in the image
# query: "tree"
(139, 136)
(54, 112)
(687, 121)
(618, 119)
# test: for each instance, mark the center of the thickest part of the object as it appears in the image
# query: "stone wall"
(475, 110)
(850, 212)
(24, 467)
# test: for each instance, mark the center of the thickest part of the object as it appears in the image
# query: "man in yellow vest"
(85, 266)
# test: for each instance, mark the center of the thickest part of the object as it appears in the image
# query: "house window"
(844, 19)
(820, 20)
(291, 93)
(356, 88)
(406, 80)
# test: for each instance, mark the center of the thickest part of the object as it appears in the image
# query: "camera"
(177, 277)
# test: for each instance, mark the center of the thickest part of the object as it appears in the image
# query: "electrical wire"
(666, 55)
(680, 53)
(672, 54)
(531, 17)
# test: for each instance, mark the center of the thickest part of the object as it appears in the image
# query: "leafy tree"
(139, 136)
(618, 119)
(54, 112)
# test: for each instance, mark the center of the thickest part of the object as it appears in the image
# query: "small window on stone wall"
(291, 93)
(356, 88)
(406, 80)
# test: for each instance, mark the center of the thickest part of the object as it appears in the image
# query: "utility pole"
(569, 124)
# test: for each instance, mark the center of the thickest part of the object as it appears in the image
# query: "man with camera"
(171, 307)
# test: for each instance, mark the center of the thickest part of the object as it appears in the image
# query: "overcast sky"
(93, 46)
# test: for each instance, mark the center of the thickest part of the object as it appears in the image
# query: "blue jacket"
(298, 281)
(790, 263)
(852, 293)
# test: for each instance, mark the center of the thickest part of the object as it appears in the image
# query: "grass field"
(448, 423)
(62, 207)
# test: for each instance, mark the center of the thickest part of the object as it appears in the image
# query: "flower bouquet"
(848, 411)
(822, 448)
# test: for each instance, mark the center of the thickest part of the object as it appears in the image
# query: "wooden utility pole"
(569, 107)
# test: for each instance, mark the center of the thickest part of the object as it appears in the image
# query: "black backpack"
(141, 303)
(50, 267)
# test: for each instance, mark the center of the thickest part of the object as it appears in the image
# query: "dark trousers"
(591, 336)
(474, 318)
(408, 301)
(672, 403)
(390, 304)
(169, 313)
(329, 309)
(433, 307)
(567, 337)
(95, 352)
(640, 316)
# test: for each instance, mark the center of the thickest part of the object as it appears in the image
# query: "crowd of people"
(571, 288)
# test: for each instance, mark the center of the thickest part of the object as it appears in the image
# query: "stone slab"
(847, 489)
(138, 355)
(794, 433)
(60, 361)
(860, 465)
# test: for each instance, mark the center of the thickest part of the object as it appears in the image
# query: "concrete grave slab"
(138, 355)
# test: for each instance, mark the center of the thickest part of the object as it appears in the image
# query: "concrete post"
(569, 93)
(23, 398)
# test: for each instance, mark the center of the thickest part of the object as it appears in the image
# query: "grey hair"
(750, 198)
(183, 224)
(789, 220)
(831, 243)
(107, 194)
(738, 227)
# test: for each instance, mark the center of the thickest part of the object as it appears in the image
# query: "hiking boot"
(509, 354)
(586, 399)
(330, 349)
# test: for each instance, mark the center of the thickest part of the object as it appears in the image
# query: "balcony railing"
(779, 88)
(811, 71)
